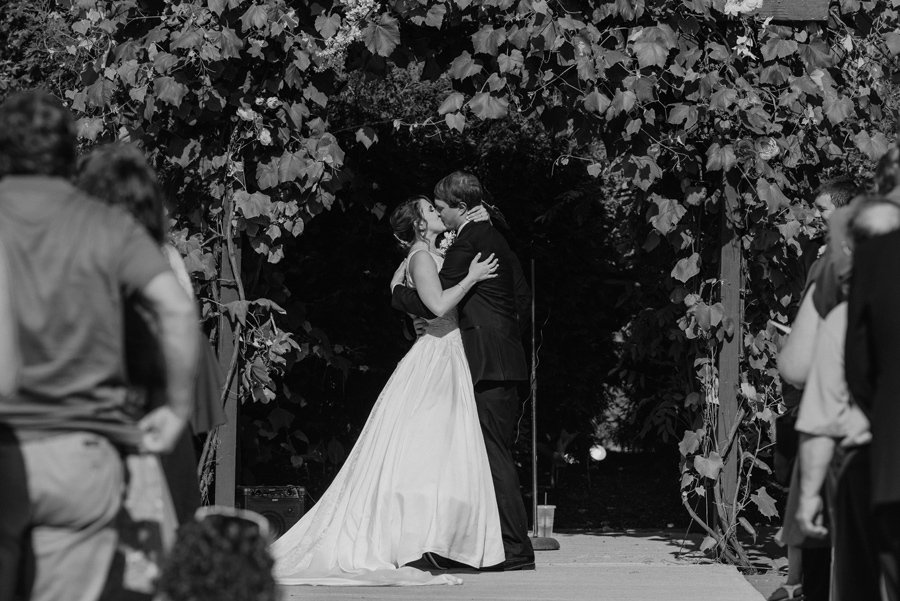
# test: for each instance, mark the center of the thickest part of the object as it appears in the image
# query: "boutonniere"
(446, 242)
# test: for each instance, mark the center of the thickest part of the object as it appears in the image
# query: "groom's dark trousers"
(489, 325)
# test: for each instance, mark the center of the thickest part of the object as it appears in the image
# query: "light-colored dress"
(417, 480)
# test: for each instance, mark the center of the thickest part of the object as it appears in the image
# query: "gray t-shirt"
(72, 260)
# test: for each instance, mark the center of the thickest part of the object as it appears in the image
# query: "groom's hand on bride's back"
(419, 324)
(399, 275)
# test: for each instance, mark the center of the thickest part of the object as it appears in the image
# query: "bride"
(418, 480)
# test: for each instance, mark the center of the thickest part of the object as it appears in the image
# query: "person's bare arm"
(176, 316)
(428, 284)
(815, 456)
(9, 351)
(795, 357)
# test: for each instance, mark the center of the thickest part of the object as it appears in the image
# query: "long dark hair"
(120, 175)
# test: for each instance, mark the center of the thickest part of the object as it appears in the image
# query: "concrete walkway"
(618, 566)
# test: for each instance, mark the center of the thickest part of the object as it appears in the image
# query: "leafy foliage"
(677, 109)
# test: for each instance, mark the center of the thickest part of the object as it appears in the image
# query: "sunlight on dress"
(416, 481)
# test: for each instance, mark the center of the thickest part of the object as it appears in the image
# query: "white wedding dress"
(417, 480)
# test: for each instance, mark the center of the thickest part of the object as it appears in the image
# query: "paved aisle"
(614, 566)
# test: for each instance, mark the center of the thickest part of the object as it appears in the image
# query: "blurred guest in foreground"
(834, 435)
(120, 175)
(872, 359)
(73, 260)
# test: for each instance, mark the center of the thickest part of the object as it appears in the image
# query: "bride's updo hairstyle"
(407, 221)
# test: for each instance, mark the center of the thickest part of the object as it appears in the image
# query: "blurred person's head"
(221, 556)
(456, 194)
(37, 136)
(834, 194)
(120, 175)
(873, 216)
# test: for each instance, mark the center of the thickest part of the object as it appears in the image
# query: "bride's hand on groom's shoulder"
(479, 213)
(399, 276)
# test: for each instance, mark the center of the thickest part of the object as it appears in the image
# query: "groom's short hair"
(460, 187)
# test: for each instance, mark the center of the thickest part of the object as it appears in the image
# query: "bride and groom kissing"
(432, 474)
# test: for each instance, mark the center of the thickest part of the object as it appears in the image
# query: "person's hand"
(809, 517)
(419, 324)
(399, 275)
(479, 213)
(483, 270)
(160, 430)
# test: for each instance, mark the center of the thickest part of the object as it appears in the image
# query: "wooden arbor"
(227, 456)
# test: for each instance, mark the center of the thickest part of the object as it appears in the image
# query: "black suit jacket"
(872, 355)
(490, 313)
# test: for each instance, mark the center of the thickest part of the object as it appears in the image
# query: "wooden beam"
(730, 354)
(794, 10)
(227, 453)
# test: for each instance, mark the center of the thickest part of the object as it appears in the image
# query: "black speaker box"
(281, 505)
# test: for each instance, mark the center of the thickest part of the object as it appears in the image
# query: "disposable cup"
(545, 520)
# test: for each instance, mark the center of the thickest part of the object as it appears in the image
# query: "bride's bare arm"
(425, 274)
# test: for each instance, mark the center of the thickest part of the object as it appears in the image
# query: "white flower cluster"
(744, 45)
(332, 55)
(446, 242)
(739, 7)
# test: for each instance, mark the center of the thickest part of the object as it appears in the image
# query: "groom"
(489, 324)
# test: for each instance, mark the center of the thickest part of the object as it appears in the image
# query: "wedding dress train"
(416, 481)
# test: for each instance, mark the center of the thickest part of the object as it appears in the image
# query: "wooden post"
(730, 354)
(227, 453)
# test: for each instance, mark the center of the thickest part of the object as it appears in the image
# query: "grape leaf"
(596, 102)
(100, 92)
(669, 212)
(328, 26)
(382, 37)
(723, 98)
(710, 466)
(510, 62)
(764, 503)
(290, 166)
(772, 195)
(255, 17)
(252, 205)
(487, 106)
(691, 441)
(367, 136)
(169, 90)
(778, 48)
(720, 158)
(455, 121)
(650, 53)
(892, 41)
(464, 66)
(487, 40)
(686, 268)
(90, 127)
(435, 16)
(874, 147)
(451, 104)
(837, 108)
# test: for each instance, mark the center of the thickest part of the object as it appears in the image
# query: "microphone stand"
(540, 543)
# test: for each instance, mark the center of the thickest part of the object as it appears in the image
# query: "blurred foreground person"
(73, 260)
(809, 558)
(120, 175)
(835, 436)
(220, 556)
(872, 357)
